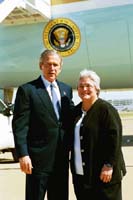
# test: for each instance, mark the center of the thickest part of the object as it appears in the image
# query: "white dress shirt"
(56, 89)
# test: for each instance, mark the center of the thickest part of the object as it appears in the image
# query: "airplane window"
(2, 106)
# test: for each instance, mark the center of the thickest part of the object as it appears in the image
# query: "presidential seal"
(63, 35)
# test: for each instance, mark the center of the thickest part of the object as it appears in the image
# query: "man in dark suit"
(41, 132)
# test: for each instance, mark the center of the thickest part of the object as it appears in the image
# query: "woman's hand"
(106, 173)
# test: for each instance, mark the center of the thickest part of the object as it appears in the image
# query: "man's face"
(51, 67)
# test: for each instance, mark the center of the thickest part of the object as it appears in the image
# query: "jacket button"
(82, 150)
(83, 163)
(59, 124)
(81, 137)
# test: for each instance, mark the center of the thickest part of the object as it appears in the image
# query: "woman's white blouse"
(77, 149)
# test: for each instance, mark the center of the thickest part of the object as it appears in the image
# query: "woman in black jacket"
(97, 162)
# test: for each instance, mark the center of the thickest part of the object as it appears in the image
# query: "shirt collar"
(47, 83)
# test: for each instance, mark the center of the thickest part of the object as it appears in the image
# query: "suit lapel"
(64, 98)
(44, 96)
(62, 89)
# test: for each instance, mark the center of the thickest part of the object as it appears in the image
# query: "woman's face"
(86, 89)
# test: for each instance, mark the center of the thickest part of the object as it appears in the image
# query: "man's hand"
(106, 174)
(25, 164)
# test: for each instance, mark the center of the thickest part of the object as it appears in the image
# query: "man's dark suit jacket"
(35, 126)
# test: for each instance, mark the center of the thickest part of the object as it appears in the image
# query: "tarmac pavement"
(12, 180)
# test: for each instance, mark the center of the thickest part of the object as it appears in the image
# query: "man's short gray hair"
(92, 75)
(48, 52)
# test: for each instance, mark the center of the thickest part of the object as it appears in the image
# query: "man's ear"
(40, 66)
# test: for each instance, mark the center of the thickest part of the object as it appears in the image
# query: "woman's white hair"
(92, 75)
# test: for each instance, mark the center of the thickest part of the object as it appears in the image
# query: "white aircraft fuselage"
(106, 45)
